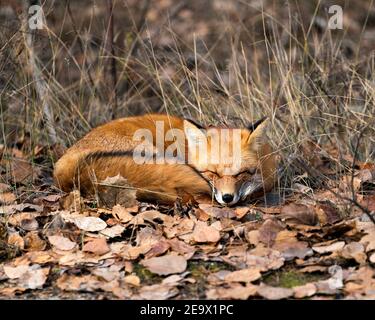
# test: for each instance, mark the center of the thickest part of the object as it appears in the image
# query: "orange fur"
(106, 151)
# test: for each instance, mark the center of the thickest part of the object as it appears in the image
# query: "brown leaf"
(244, 275)
(20, 170)
(121, 213)
(108, 274)
(29, 224)
(16, 240)
(217, 212)
(97, 246)
(253, 237)
(158, 249)
(61, 243)
(299, 214)
(15, 272)
(90, 223)
(182, 248)
(5, 187)
(234, 291)
(73, 201)
(7, 198)
(307, 290)
(157, 292)
(34, 278)
(369, 241)
(114, 231)
(91, 283)
(264, 258)
(327, 213)
(33, 242)
(117, 190)
(274, 293)
(133, 280)
(356, 251)
(268, 231)
(204, 233)
(287, 243)
(165, 265)
(240, 212)
(201, 215)
(336, 246)
(11, 209)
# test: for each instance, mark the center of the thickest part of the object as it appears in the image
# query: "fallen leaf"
(158, 249)
(327, 213)
(72, 201)
(11, 209)
(29, 224)
(299, 213)
(268, 231)
(33, 242)
(201, 215)
(121, 213)
(117, 190)
(97, 246)
(240, 212)
(217, 212)
(165, 265)
(16, 240)
(114, 231)
(244, 275)
(274, 293)
(108, 274)
(7, 198)
(356, 251)
(336, 246)
(182, 248)
(90, 223)
(5, 187)
(15, 272)
(204, 233)
(234, 291)
(253, 237)
(157, 292)
(307, 290)
(133, 280)
(34, 278)
(287, 243)
(369, 241)
(311, 269)
(61, 243)
(264, 258)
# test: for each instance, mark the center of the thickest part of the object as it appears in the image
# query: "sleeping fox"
(165, 157)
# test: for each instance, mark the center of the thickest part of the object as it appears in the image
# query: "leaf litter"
(130, 250)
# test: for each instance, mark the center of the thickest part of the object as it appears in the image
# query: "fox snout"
(229, 190)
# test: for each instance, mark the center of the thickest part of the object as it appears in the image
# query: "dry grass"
(229, 63)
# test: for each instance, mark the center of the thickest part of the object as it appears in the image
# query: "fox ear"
(257, 137)
(193, 133)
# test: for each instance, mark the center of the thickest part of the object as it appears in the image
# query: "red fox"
(165, 157)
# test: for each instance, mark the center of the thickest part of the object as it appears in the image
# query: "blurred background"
(224, 62)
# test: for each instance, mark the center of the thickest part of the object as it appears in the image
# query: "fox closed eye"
(249, 171)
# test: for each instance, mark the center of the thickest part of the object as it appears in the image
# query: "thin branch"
(111, 50)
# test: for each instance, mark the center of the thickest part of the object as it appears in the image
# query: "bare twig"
(41, 86)
(111, 50)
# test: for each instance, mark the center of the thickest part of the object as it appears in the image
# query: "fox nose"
(227, 198)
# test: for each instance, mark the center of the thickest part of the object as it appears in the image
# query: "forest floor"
(221, 62)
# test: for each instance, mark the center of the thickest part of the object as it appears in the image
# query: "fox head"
(236, 162)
